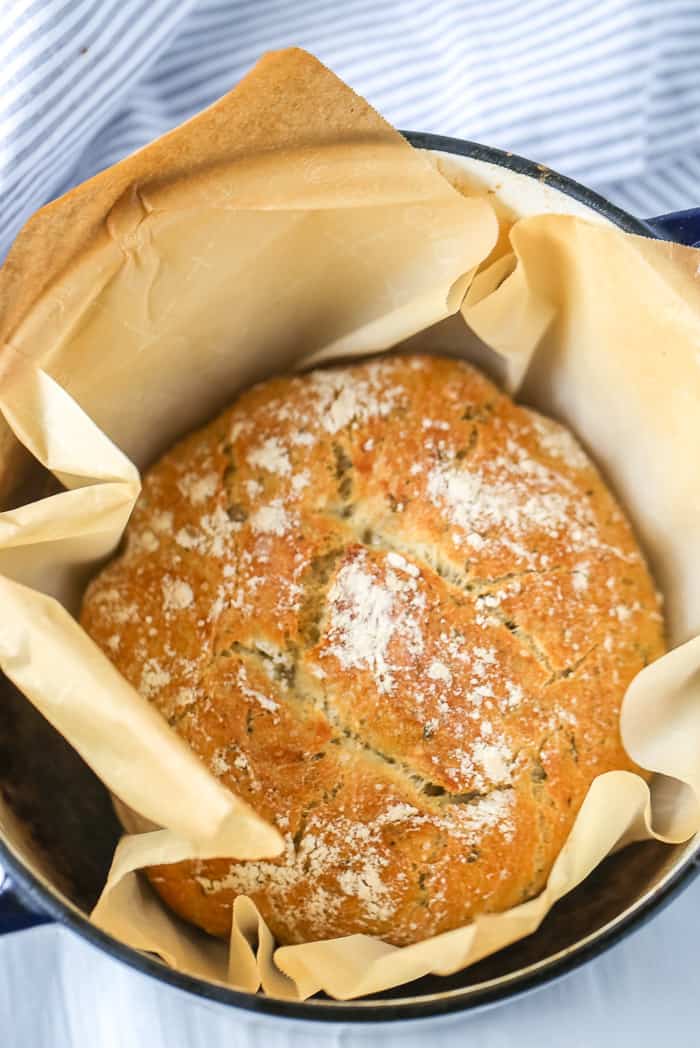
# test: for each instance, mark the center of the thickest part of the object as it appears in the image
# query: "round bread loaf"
(397, 614)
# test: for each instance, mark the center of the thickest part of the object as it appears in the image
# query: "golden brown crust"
(396, 613)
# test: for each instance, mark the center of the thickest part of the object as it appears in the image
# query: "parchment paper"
(289, 222)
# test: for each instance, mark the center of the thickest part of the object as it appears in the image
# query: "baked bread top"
(397, 613)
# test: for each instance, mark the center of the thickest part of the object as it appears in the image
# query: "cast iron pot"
(58, 845)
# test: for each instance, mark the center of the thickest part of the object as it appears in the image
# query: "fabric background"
(606, 91)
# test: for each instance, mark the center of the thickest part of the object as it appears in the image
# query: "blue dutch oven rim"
(27, 901)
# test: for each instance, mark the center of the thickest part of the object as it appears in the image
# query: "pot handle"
(14, 914)
(681, 226)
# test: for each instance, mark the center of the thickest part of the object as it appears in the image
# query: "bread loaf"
(397, 614)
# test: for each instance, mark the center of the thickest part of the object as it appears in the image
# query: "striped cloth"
(607, 91)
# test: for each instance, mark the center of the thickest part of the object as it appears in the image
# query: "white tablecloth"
(58, 992)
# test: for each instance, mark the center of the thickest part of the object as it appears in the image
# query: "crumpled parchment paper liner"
(289, 222)
(618, 360)
(53, 661)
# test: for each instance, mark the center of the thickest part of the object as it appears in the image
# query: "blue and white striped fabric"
(607, 91)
